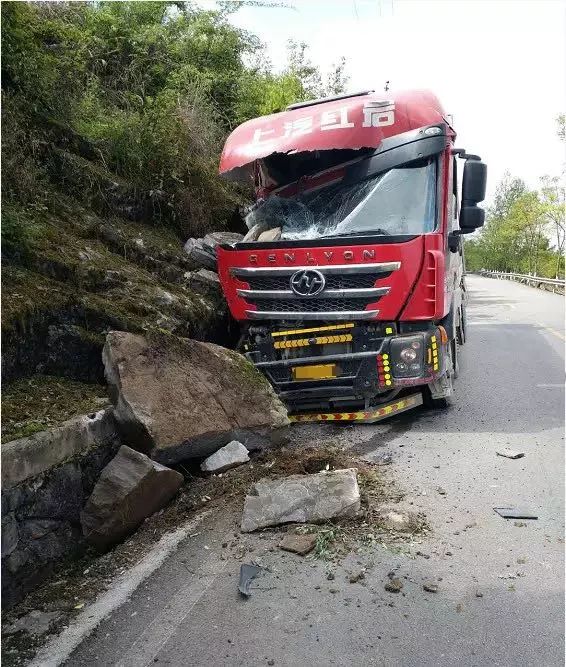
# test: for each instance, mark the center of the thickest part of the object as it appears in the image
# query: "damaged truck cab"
(349, 285)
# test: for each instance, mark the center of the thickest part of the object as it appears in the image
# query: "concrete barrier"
(46, 479)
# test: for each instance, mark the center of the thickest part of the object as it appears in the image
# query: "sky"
(498, 66)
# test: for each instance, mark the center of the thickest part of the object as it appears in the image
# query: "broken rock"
(210, 241)
(302, 499)
(298, 544)
(179, 398)
(231, 455)
(130, 488)
(396, 521)
(199, 254)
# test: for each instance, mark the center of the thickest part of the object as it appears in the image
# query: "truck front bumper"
(349, 362)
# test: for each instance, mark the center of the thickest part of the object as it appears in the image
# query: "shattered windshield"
(397, 201)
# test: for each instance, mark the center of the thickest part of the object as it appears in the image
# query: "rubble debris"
(203, 281)
(210, 241)
(430, 587)
(35, 623)
(247, 573)
(393, 585)
(441, 491)
(356, 576)
(130, 488)
(298, 544)
(515, 513)
(519, 524)
(199, 254)
(231, 455)
(479, 594)
(396, 521)
(179, 398)
(273, 234)
(301, 499)
(510, 453)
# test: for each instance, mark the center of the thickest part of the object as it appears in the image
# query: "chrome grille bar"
(343, 269)
(369, 292)
(304, 315)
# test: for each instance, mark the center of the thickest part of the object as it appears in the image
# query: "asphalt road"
(501, 586)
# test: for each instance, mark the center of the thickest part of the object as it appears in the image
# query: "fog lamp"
(408, 354)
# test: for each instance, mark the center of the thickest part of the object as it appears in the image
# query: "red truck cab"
(349, 285)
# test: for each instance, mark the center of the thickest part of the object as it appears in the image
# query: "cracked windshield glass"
(395, 202)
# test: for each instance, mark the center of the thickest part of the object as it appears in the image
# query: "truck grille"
(348, 290)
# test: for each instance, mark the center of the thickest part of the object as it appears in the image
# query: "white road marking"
(56, 651)
(551, 386)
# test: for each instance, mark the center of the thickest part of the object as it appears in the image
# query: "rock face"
(301, 499)
(231, 455)
(130, 488)
(178, 398)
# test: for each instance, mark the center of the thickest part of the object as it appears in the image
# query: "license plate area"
(316, 372)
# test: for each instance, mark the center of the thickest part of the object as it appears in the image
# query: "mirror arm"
(461, 152)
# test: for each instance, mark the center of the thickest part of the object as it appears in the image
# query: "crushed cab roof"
(359, 121)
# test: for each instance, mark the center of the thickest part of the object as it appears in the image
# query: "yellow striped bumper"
(363, 416)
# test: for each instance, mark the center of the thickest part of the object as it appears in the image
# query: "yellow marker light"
(433, 339)
(435, 367)
(388, 330)
(429, 352)
(386, 369)
(332, 327)
(435, 353)
(387, 382)
(385, 356)
(387, 377)
(434, 346)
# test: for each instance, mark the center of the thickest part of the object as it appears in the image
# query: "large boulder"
(210, 241)
(301, 499)
(130, 488)
(179, 398)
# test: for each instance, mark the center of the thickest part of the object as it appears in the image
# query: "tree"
(552, 193)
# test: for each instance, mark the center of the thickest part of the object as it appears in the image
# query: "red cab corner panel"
(428, 300)
(400, 283)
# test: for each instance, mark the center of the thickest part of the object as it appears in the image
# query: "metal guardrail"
(548, 284)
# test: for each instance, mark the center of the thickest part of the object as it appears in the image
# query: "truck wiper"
(373, 232)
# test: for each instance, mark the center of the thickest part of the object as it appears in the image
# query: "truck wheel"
(453, 367)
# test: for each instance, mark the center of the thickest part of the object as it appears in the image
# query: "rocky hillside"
(79, 277)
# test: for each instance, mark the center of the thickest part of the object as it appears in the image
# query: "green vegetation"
(125, 105)
(525, 230)
(42, 401)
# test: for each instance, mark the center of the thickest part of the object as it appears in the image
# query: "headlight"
(407, 356)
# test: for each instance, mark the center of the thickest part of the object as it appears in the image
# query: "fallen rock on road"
(179, 398)
(231, 455)
(130, 488)
(301, 499)
(298, 544)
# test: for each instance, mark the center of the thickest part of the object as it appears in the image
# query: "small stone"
(441, 491)
(356, 576)
(479, 594)
(271, 662)
(231, 455)
(521, 560)
(459, 607)
(519, 524)
(429, 587)
(298, 544)
(448, 553)
(333, 590)
(394, 585)
(330, 576)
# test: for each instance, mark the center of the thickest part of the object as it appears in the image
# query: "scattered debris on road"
(515, 513)
(430, 587)
(394, 585)
(357, 576)
(247, 573)
(231, 455)
(510, 453)
(301, 499)
(298, 544)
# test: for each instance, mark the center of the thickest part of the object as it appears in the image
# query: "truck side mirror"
(473, 191)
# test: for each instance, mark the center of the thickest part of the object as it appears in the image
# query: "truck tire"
(461, 327)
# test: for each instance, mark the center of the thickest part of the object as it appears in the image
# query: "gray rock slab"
(231, 455)
(130, 488)
(301, 499)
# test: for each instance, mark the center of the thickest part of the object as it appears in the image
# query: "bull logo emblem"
(307, 282)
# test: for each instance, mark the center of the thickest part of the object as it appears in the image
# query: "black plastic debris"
(510, 453)
(247, 573)
(515, 513)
